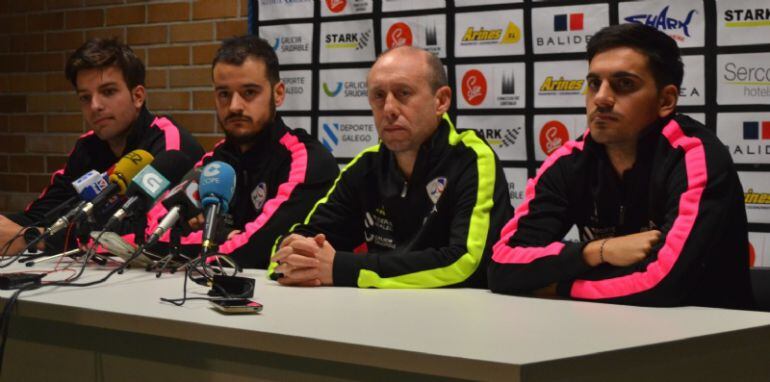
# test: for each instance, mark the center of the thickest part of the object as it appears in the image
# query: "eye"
(109, 92)
(625, 83)
(594, 84)
(84, 98)
(249, 93)
(223, 95)
(376, 95)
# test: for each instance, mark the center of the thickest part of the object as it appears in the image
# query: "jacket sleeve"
(294, 199)
(479, 201)
(58, 191)
(702, 192)
(530, 253)
(336, 213)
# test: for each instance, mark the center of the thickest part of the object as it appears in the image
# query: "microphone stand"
(83, 231)
(174, 246)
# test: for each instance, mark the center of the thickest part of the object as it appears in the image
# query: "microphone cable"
(7, 246)
(206, 279)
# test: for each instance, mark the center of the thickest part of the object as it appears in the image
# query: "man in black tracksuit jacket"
(666, 228)
(280, 172)
(431, 224)
(278, 180)
(119, 122)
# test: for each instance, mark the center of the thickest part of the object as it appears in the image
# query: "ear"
(667, 99)
(138, 96)
(279, 93)
(443, 98)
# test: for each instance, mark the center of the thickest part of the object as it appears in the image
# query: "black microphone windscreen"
(173, 165)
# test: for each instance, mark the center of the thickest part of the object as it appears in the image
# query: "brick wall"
(39, 113)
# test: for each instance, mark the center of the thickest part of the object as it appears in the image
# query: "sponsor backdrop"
(518, 69)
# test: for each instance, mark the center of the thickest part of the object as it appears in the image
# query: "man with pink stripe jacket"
(280, 172)
(654, 194)
(109, 81)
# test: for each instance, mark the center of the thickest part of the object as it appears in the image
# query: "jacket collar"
(391, 178)
(272, 132)
(138, 129)
(644, 144)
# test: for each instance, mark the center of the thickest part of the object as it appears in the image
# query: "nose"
(604, 97)
(391, 107)
(96, 103)
(236, 103)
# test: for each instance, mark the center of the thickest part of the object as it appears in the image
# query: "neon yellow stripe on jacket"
(478, 229)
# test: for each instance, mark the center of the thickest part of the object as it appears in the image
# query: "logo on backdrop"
(553, 135)
(758, 198)
(335, 134)
(294, 85)
(474, 87)
(500, 138)
(332, 93)
(755, 130)
(747, 18)
(431, 36)
(508, 84)
(754, 79)
(481, 36)
(561, 86)
(756, 137)
(330, 140)
(508, 96)
(664, 23)
(399, 34)
(336, 6)
(357, 40)
(290, 44)
(568, 22)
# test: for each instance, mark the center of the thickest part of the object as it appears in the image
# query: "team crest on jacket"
(259, 195)
(435, 188)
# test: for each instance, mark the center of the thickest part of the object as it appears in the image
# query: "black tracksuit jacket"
(278, 180)
(151, 133)
(435, 230)
(683, 183)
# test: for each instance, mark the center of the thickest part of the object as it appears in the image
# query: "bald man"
(419, 210)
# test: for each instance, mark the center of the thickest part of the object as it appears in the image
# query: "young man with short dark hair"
(280, 172)
(109, 81)
(655, 195)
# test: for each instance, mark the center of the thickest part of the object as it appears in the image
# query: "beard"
(245, 137)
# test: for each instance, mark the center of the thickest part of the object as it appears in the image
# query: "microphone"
(91, 184)
(168, 168)
(217, 186)
(126, 168)
(182, 202)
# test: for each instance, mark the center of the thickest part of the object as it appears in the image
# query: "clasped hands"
(305, 261)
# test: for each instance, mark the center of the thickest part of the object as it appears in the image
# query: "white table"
(121, 331)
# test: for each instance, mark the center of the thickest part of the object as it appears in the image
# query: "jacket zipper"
(622, 215)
